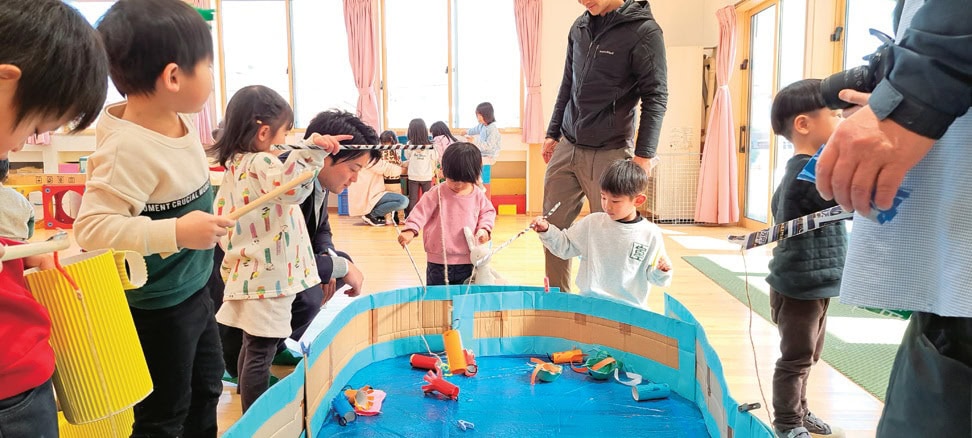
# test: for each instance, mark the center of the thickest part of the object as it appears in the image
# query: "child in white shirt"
(620, 251)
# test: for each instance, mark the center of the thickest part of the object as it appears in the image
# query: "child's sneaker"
(373, 221)
(819, 429)
(796, 432)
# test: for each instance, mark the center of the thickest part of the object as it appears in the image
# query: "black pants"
(930, 391)
(458, 274)
(803, 327)
(414, 195)
(254, 365)
(306, 306)
(182, 349)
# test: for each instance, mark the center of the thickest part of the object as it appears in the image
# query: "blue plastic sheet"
(500, 402)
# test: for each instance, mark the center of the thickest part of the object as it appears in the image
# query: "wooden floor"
(831, 395)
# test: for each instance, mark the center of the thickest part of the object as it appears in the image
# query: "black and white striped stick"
(792, 228)
(380, 147)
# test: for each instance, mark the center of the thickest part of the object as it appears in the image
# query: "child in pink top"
(445, 210)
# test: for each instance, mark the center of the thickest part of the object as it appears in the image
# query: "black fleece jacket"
(605, 75)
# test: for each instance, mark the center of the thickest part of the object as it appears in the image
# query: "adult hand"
(548, 148)
(867, 158)
(645, 164)
(355, 279)
(858, 98)
(328, 288)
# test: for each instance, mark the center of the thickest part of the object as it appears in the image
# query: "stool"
(61, 203)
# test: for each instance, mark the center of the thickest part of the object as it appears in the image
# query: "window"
(92, 11)
(863, 15)
(416, 61)
(322, 71)
(487, 62)
(255, 48)
(793, 28)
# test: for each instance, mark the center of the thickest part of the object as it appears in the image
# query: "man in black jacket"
(615, 58)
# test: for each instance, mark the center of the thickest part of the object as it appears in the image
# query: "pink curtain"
(44, 138)
(359, 20)
(528, 14)
(718, 200)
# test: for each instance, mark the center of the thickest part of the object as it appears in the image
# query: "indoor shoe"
(287, 357)
(819, 429)
(796, 432)
(373, 221)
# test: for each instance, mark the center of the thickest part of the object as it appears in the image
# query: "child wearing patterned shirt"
(268, 258)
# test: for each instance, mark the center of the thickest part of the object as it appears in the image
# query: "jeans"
(803, 327)
(458, 274)
(184, 357)
(31, 413)
(388, 203)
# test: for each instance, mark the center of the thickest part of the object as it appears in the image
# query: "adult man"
(615, 57)
(920, 260)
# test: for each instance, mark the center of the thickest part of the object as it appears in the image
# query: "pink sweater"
(473, 210)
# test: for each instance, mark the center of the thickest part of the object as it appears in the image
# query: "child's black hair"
(4, 169)
(336, 122)
(485, 109)
(388, 137)
(418, 133)
(624, 178)
(143, 36)
(248, 110)
(800, 97)
(64, 69)
(462, 162)
(440, 128)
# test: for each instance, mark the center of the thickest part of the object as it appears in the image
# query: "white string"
(445, 254)
(752, 342)
(425, 290)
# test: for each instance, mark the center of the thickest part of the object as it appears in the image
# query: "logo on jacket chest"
(605, 52)
(638, 252)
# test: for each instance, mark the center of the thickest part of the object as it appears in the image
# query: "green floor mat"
(868, 365)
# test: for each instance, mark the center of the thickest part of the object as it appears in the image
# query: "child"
(53, 70)
(805, 270)
(488, 132)
(393, 178)
(441, 137)
(420, 163)
(268, 257)
(148, 191)
(17, 220)
(448, 208)
(337, 172)
(620, 251)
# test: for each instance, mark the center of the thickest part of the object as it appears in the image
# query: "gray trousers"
(574, 172)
